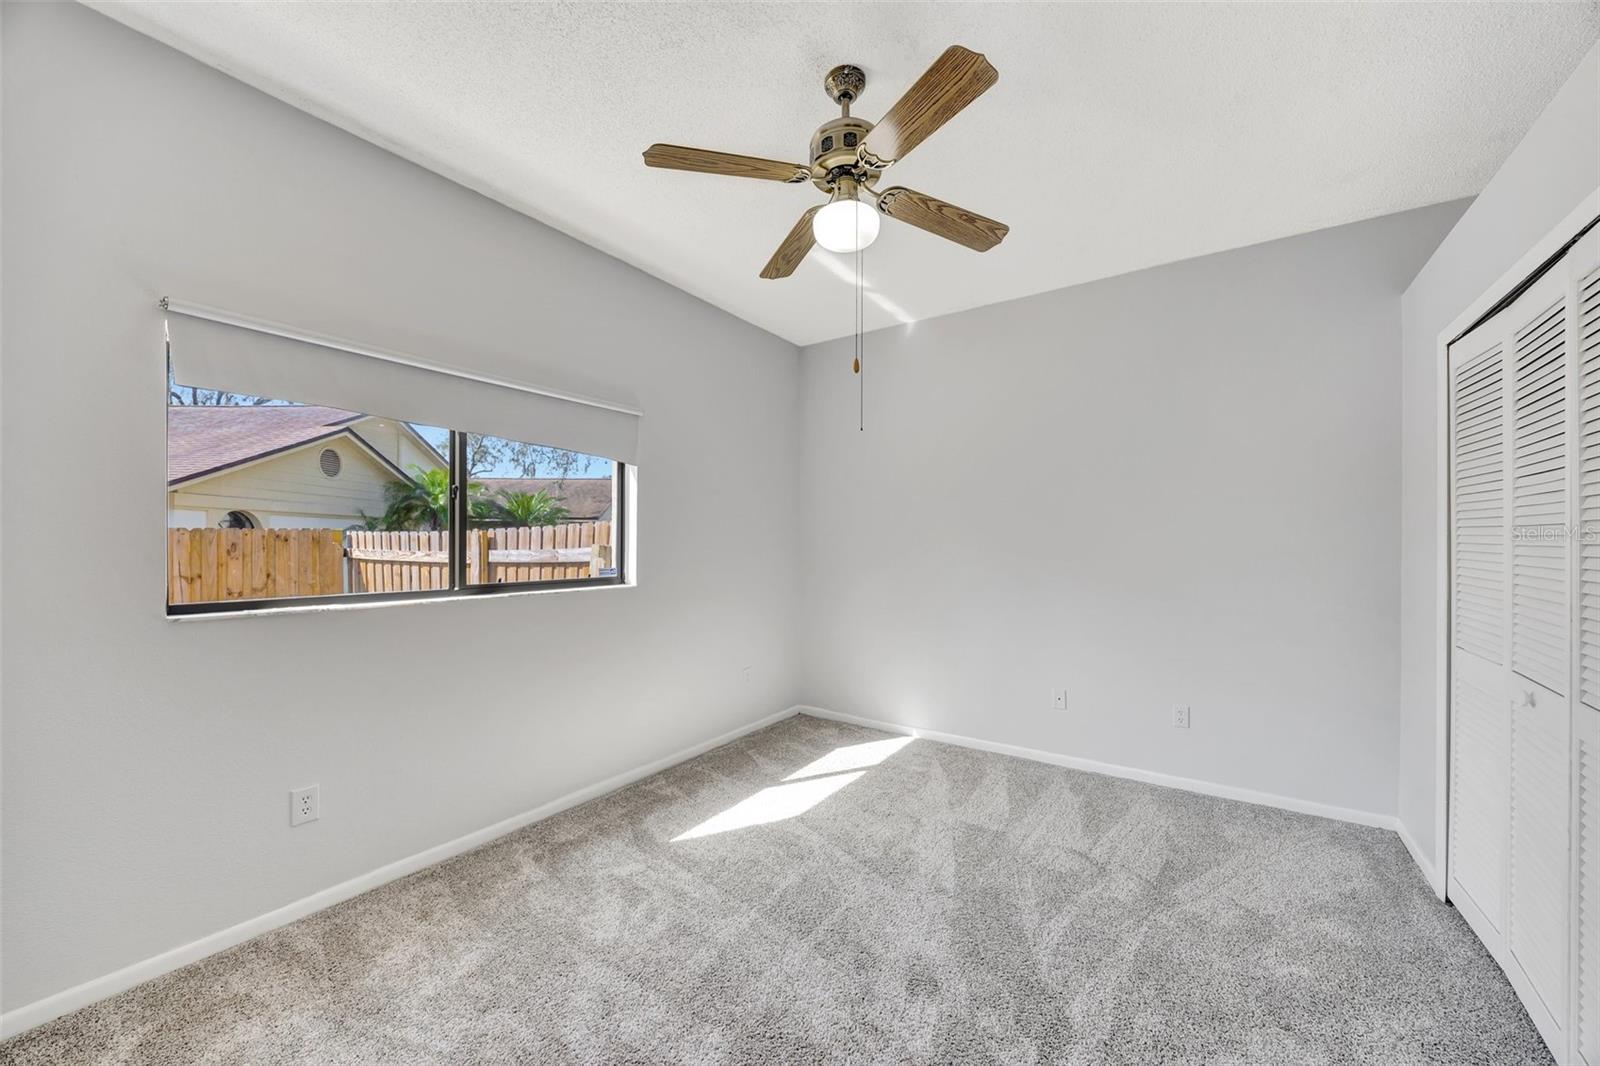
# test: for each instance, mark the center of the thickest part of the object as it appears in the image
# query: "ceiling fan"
(849, 154)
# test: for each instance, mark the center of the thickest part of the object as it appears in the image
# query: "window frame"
(456, 464)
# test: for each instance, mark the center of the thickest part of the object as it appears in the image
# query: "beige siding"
(394, 442)
(292, 486)
(411, 455)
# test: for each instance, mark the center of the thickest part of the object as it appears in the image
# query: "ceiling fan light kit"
(845, 224)
(848, 156)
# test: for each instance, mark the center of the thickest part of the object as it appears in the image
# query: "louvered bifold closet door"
(1586, 888)
(1478, 463)
(1480, 716)
(1585, 807)
(1542, 551)
(1540, 632)
(1523, 862)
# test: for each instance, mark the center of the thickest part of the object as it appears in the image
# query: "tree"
(531, 508)
(483, 453)
(424, 502)
(189, 396)
(536, 460)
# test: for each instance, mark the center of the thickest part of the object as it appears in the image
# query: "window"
(537, 514)
(270, 500)
(282, 488)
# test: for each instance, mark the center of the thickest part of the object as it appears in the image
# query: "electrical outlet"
(304, 805)
(744, 675)
(1058, 699)
(1180, 716)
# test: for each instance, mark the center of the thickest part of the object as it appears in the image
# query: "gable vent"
(330, 462)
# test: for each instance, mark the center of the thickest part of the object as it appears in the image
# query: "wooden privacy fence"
(398, 562)
(567, 552)
(403, 562)
(205, 565)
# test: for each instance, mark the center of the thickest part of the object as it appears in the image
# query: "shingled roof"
(585, 498)
(203, 440)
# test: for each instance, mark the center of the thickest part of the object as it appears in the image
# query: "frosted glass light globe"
(845, 225)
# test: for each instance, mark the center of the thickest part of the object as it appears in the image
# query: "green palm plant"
(531, 508)
(424, 502)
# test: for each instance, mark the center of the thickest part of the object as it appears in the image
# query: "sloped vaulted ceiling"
(1119, 136)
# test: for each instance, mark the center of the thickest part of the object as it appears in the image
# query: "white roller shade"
(212, 349)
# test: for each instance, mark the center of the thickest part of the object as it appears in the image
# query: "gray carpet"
(944, 905)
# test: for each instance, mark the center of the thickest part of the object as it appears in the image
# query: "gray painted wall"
(1175, 486)
(147, 762)
(1554, 167)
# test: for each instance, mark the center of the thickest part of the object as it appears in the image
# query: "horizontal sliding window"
(277, 496)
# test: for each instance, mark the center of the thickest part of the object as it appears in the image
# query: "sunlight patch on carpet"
(851, 757)
(773, 804)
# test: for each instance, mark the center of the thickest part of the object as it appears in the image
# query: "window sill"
(373, 605)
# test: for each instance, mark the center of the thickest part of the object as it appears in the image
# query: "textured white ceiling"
(1119, 136)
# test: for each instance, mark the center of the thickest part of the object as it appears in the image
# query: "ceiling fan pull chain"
(855, 362)
(861, 339)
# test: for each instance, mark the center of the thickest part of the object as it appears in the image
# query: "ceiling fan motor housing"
(845, 83)
(836, 149)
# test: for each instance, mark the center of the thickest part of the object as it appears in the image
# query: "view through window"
(537, 513)
(268, 499)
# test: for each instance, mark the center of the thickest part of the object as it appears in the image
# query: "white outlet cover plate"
(305, 805)
(1180, 716)
(1058, 698)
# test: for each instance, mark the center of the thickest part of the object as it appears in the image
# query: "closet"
(1524, 763)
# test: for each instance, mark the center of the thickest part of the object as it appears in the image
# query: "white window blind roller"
(212, 354)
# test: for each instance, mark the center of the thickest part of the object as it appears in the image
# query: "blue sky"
(587, 466)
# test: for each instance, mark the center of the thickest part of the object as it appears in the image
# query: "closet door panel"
(1540, 629)
(1587, 354)
(1478, 493)
(1537, 884)
(1545, 434)
(1480, 754)
(1584, 812)
(1480, 748)
(1586, 887)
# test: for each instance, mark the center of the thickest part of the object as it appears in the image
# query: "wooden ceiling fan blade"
(942, 219)
(705, 161)
(957, 78)
(793, 249)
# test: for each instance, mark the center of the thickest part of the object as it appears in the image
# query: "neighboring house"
(284, 467)
(587, 499)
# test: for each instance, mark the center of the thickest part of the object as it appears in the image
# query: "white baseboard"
(1188, 784)
(54, 1006)
(26, 1017)
(1422, 861)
